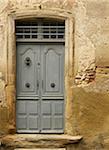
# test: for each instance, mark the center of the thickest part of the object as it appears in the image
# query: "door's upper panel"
(52, 70)
(27, 71)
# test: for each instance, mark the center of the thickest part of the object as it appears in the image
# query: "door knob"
(27, 85)
(53, 85)
(28, 61)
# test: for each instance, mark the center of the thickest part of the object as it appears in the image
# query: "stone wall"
(89, 82)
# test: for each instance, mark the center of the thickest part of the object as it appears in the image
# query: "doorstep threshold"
(40, 149)
(39, 140)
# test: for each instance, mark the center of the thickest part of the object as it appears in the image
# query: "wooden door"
(40, 88)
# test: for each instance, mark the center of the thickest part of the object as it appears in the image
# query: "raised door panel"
(52, 57)
(21, 118)
(27, 72)
(58, 115)
(52, 116)
(33, 112)
(28, 116)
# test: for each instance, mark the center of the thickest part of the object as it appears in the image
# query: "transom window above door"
(40, 30)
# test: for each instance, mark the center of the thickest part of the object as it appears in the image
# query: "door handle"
(42, 83)
(37, 84)
(27, 85)
(28, 61)
(53, 85)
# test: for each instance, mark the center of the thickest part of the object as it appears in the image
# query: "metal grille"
(40, 30)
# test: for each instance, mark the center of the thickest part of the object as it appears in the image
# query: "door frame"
(69, 62)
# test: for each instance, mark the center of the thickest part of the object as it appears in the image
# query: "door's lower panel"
(52, 119)
(28, 116)
(40, 116)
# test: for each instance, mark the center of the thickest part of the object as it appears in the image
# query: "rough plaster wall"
(99, 14)
(84, 46)
(91, 87)
(91, 93)
(3, 36)
(91, 38)
(91, 97)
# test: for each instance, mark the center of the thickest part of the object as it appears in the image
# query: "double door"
(40, 88)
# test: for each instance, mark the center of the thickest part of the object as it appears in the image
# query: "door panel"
(27, 71)
(40, 88)
(52, 71)
(52, 96)
(28, 116)
(52, 116)
(52, 65)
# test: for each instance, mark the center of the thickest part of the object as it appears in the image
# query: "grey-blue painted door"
(40, 88)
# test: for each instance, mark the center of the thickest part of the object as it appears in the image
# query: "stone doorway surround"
(11, 62)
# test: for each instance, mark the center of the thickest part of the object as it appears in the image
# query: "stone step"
(46, 141)
(40, 149)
